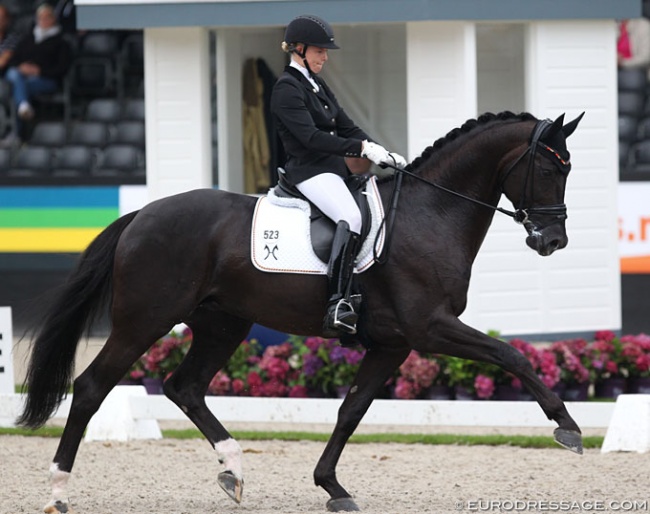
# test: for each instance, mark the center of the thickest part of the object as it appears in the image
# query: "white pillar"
(229, 111)
(177, 109)
(571, 68)
(6, 354)
(441, 80)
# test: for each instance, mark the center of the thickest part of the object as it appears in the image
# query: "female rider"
(317, 136)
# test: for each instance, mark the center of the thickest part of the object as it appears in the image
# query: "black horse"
(187, 259)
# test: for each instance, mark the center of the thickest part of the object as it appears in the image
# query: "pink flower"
(298, 391)
(549, 371)
(643, 363)
(238, 386)
(137, 374)
(281, 351)
(313, 343)
(254, 383)
(605, 335)
(220, 384)
(484, 386)
(275, 367)
(273, 388)
(420, 371)
(404, 389)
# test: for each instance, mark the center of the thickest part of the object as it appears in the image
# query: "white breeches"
(330, 194)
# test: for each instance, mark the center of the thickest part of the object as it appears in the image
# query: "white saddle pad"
(280, 235)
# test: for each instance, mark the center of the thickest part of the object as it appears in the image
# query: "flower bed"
(315, 367)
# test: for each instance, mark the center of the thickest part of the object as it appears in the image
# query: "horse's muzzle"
(548, 239)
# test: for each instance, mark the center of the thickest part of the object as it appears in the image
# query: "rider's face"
(316, 57)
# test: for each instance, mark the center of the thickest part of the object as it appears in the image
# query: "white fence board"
(324, 411)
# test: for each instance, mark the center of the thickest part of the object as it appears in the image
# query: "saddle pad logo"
(280, 235)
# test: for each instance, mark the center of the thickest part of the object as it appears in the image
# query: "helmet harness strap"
(303, 56)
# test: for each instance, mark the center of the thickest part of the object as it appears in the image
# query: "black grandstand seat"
(74, 161)
(632, 79)
(49, 133)
(643, 129)
(94, 69)
(133, 109)
(107, 110)
(640, 157)
(631, 103)
(130, 133)
(132, 63)
(118, 160)
(102, 43)
(32, 161)
(90, 133)
(627, 128)
(6, 158)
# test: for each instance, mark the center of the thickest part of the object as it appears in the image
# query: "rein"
(519, 215)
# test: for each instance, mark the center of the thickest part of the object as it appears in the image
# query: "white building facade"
(409, 72)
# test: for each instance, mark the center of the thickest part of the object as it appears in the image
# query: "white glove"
(399, 161)
(376, 153)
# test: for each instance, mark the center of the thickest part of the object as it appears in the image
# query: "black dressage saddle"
(321, 227)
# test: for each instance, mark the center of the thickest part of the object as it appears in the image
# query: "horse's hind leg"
(121, 350)
(216, 335)
(462, 341)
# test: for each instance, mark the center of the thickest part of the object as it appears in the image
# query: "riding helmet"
(310, 30)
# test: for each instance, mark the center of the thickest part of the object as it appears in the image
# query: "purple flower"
(311, 364)
(353, 357)
(338, 355)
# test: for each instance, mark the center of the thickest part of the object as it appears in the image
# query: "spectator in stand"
(8, 39)
(38, 65)
(633, 45)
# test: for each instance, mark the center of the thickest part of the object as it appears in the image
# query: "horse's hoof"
(341, 505)
(58, 507)
(570, 439)
(231, 484)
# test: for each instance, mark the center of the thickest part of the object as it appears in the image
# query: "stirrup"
(341, 325)
(334, 323)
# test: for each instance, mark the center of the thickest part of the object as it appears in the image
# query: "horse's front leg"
(375, 369)
(452, 337)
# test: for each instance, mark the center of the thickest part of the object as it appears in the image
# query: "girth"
(322, 228)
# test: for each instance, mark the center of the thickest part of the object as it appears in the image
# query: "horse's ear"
(570, 127)
(556, 127)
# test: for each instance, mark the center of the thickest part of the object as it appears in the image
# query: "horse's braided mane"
(465, 128)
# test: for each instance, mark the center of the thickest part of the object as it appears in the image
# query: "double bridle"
(521, 214)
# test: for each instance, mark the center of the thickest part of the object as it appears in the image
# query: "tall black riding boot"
(340, 317)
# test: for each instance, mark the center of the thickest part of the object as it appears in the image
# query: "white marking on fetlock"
(59, 483)
(230, 455)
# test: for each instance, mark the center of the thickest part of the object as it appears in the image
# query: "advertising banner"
(634, 226)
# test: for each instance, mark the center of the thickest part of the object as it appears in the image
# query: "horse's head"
(535, 182)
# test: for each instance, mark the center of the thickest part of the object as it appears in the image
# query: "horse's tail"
(80, 300)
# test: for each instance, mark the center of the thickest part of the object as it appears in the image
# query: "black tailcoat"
(316, 133)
